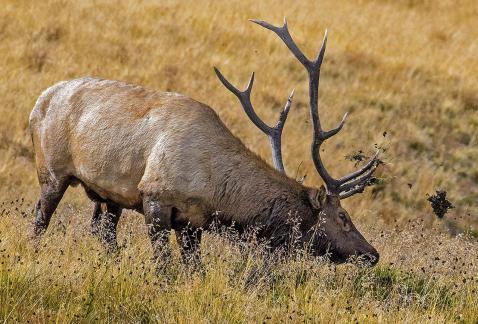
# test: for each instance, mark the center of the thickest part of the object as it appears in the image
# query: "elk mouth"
(337, 259)
(369, 258)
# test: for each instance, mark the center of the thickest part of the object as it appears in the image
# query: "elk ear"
(317, 197)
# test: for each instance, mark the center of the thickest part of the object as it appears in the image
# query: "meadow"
(407, 73)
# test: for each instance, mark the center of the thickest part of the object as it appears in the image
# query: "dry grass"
(431, 277)
(407, 68)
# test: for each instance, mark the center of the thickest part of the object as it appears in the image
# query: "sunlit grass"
(71, 278)
(405, 70)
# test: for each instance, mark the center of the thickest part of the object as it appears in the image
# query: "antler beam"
(349, 184)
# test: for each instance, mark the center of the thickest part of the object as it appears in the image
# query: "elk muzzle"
(370, 257)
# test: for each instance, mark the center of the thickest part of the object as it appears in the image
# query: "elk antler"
(349, 184)
(274, 133)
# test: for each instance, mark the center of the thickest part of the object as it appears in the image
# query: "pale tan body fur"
(121, 140)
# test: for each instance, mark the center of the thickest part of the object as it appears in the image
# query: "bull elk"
(172, 159)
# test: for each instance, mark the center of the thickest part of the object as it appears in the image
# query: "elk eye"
(343, 217)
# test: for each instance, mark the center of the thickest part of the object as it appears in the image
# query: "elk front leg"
(109, 224)
(158, 222)
(189, 241)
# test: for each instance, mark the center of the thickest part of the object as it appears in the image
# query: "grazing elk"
(171, 158)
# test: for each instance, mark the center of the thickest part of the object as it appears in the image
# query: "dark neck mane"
(277, 222)
(266, 202)
(250, 193)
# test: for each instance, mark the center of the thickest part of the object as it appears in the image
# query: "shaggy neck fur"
(254, 194)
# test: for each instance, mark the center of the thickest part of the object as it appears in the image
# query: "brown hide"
(123, 141)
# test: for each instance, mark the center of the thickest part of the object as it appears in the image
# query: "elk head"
(332, 231)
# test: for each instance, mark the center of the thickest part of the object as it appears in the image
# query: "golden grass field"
(408, 68)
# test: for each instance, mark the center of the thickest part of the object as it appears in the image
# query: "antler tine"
(342, 186)
(352, 192)
(360, 179)
(283, 33)
(273, 133)
(313, 69)
(245, 99)
(355, 182)
(284, 113)
(370, 166)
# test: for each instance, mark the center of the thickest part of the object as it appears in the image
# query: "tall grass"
(423, 276)
(405, 70)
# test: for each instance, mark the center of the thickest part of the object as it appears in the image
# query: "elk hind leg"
(50, 196)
